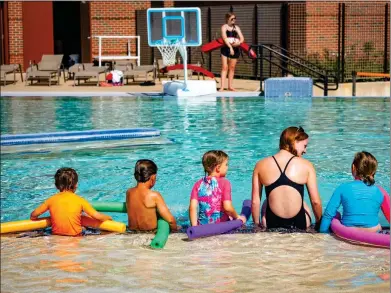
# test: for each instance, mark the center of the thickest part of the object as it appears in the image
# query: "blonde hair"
(213, 158)
(289, 136)
(366, 166)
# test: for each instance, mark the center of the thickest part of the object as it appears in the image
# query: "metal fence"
(339, 36)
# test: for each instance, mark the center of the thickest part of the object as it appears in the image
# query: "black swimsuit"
(225, 50)
(274, 221)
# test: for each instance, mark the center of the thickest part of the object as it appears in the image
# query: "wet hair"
(213, 158)
(366, 165)
(228, 16)
(289, 136)
(144, 169)
(66, 179)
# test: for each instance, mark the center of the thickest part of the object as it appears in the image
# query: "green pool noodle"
(163, 230)
(107, 206)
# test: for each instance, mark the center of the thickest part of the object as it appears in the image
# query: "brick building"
(354, 35)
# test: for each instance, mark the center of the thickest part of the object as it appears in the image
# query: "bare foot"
(232, 89)
(221, 89)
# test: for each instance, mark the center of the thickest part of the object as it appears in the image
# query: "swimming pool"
(247, 129)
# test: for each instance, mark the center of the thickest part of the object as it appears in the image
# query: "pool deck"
(244, 88)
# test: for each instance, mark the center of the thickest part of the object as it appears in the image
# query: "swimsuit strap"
(277, 164)
(286, 166)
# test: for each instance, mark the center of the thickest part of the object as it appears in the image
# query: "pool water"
(247, 129)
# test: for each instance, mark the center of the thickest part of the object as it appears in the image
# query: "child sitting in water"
(66, 207)
(212, 193)
(361, 199)
(143, 204)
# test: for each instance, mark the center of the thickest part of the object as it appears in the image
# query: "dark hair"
(144, 169)
(228, 16)
(366, 165)
(289, 136)
(66, 179)
(213, 158)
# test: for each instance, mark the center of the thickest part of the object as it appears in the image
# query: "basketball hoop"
(168, 50)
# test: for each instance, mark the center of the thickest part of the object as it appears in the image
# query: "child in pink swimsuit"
(211, 195)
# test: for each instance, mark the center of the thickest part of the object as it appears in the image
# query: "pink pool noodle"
(219, 228)
(357, 236)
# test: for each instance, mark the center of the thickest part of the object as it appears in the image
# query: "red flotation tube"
(189, 66)
(218, 43)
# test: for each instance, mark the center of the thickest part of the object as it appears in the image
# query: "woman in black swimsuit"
(284, 176)
(230, 52)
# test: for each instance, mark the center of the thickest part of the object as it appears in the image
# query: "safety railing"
(293, 64)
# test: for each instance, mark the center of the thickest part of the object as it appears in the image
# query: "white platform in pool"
(194, 88)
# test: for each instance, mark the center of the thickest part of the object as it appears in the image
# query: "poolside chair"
(6, 69)
(131, 70)
(48, 68)
(86, 71)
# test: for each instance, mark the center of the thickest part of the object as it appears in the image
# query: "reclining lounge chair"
(130, 70)
(86, 71)
(47, 69)
(6, 69)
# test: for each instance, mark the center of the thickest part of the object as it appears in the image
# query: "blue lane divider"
(78, 136)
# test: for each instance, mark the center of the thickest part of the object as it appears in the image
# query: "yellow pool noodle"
(28, 225)
(25, 225)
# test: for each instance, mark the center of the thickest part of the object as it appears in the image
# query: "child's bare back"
(141, 208)
(144, 204)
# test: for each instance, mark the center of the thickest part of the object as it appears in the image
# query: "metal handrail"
(318, 71)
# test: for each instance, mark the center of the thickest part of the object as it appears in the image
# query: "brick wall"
(15, 19)
(321, 28)
(114, 18)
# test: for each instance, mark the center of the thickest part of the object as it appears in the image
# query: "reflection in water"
(73, 114)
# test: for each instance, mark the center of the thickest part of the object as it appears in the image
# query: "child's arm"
(227, 202)
(89, 210)
(230, 211)
(164, 212)
(330, 211)
(39, 211)
(193, 212)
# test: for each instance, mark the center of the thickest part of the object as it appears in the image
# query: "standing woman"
(233, 38)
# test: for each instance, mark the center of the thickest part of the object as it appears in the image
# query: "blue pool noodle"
(219, 228)
(77, 136)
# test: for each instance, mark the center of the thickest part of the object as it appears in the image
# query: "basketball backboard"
(169, 25)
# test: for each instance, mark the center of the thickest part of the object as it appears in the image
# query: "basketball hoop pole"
(184, 56)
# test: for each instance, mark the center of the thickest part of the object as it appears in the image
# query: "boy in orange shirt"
(66, 207)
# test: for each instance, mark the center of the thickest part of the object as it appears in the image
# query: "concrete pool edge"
(153, 94)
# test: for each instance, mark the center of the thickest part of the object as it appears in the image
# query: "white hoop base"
(193, 88)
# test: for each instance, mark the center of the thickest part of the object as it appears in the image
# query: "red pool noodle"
(385, 207)
(219, 228)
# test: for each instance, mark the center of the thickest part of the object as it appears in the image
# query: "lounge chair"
(176, 73)
(48, 68)
(6, 69)
(131, 70)
(86, 71)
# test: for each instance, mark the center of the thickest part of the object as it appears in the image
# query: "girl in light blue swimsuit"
(361, 199)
